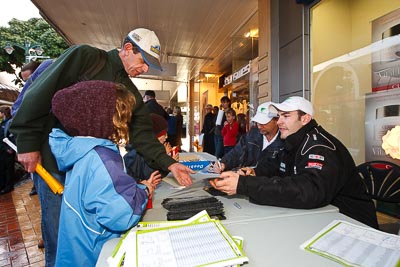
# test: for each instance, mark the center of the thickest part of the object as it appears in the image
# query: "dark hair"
(241, 118)
(225, 99)
(6, 110)
(177, 109)
(150, 93)
(31, 66)
(215, 110)
(300, 113)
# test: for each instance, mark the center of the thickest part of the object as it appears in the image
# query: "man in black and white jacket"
(313, 169)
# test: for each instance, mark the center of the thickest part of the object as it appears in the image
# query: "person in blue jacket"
(100, 201)
(39, 68)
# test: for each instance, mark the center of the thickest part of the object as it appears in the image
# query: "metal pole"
(27, 45)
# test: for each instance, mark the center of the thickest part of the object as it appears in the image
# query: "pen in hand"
(217, 167)
(219, 164)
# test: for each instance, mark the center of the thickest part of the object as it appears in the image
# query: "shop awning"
(8, 94)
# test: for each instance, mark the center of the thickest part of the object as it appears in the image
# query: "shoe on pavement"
(6, 190)
(40, 243)
(33, 191)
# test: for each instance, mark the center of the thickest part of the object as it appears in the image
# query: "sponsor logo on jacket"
(314, 165)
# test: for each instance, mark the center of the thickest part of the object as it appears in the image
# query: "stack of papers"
(354, 245)
(198, 241)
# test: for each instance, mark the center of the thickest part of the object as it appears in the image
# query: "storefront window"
(355, 72)
(244, 53)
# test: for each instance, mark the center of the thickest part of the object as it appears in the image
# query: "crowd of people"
(222, 128)
(81, 116)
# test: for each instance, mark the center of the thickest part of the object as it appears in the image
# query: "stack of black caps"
(184, 208)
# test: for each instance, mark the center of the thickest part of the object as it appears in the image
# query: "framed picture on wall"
(204, 102)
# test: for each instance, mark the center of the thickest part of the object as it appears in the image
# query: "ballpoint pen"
(237, 205)
(219, 165)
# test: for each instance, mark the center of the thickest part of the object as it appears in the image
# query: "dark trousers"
(219, 146)
(50, 205)
(7, 170)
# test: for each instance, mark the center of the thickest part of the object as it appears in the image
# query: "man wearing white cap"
(261, 141)
(34, 121)
(314, 169)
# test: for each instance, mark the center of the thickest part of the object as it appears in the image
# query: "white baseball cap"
(149, 46)
(293, 103)
(263, 115)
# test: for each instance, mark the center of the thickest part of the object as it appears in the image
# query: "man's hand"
(218, 167)
(30, 160)
(247, 171)
(181, 173)
(227, 182)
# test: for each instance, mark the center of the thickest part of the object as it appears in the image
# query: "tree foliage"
(35, 31)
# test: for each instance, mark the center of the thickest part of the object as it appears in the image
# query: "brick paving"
(20, 228)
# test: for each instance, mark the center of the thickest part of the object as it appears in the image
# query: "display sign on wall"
(382, 113)
(386, 61)
(382, 105)
(238, 74)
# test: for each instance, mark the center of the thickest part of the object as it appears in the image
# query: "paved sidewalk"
(20, 228)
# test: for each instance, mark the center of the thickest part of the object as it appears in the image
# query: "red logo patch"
(315, 165)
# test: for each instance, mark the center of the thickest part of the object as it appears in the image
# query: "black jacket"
(314, 169)
(156, 108)
(248, 151)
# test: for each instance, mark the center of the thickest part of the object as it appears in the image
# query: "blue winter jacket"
(100, 200)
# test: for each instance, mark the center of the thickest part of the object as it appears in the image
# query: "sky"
(19, 9)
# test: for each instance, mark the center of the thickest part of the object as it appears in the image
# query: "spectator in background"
(28, 69)
(171, 127)
(230, 130)
(37, 68)
(208, 131)
(218, 139)
(152, 105)
(179, 126)
(215, 111)
(7, 154)
(241, 119)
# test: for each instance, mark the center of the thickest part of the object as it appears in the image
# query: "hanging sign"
(238, 74)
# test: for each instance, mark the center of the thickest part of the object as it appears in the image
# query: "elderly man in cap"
(262, 141)
(34, 121)
(314, 169)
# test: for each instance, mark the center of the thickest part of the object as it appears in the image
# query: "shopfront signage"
(238, 74)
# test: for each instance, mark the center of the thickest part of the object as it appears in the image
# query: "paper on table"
(128, 241)
(199, 244)
(354, 245)
(170, 242)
